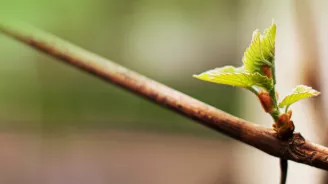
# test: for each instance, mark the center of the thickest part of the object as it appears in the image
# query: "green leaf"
(299, 93)
(268, 42)
(232, 76)
(261, 51)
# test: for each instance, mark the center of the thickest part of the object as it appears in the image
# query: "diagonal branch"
(297, 148)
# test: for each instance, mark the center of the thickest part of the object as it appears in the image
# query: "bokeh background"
(60, 125)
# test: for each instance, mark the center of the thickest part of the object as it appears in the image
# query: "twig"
(283, 169)
(296, 148)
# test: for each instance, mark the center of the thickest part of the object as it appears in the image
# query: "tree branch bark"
(296, 148)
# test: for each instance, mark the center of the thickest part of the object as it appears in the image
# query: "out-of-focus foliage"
(164, 40)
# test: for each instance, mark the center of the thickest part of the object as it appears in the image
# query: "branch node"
(294, 149)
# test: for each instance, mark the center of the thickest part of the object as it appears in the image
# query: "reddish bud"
(289, 113)
(267, 71)
(266, 101)
(284, 126)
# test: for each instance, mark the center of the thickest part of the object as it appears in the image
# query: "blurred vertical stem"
(284, 168)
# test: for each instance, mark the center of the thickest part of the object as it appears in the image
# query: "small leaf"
(232, 76)
(299, 93)
(268, 42)
(261, 51)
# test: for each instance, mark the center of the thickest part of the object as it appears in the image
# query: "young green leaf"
(261, 51)
(299, 93)
(268, 42)
(232, 76)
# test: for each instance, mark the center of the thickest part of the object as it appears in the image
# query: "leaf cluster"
(257, 73)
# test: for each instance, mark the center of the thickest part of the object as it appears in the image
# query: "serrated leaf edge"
(312, 93)
(215, 73)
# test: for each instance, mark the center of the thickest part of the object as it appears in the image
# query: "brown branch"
(296, 148)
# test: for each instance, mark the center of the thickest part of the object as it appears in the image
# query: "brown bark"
(296, 148)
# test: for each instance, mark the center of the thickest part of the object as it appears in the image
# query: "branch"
(296, 148)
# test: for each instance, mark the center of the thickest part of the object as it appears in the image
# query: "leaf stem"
(253, 90)
(286, 110)
(273, 72)
(276, 112)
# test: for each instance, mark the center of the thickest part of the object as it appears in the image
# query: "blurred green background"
(164, 40)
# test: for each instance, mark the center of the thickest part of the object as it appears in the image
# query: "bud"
(266, 71)
(266, 101)
(289, 113)
(284, 126)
